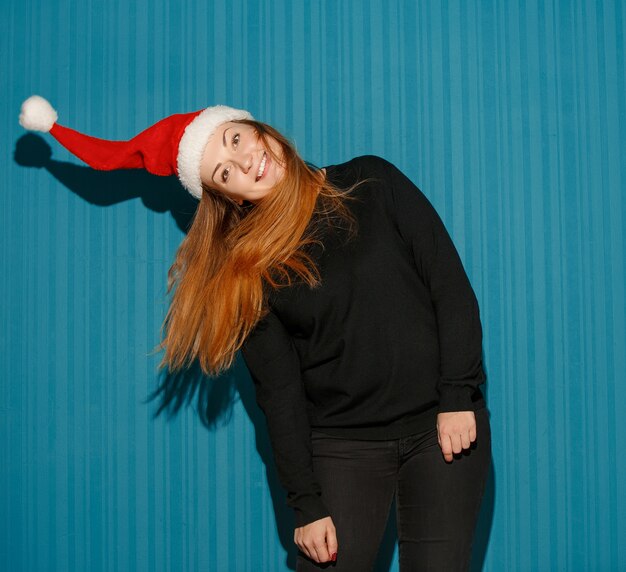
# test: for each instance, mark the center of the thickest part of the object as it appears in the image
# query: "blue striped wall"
(511, 116)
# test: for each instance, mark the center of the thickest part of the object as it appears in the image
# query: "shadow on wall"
(106, 188)
(214, 398)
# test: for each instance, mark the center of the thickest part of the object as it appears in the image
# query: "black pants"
(437, 503)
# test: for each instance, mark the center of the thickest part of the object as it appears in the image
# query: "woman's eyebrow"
(216, 168)
(219, 164)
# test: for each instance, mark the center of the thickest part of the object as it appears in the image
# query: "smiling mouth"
(262, 166)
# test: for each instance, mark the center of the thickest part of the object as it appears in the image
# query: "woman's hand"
(318, 540)
(456, 430)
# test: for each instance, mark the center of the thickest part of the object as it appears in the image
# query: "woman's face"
(237, 163)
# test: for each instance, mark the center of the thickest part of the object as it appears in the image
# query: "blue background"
(510, 116)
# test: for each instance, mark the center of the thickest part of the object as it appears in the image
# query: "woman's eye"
(225, 173)
(235, 140)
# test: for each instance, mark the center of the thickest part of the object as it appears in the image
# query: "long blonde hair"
(232, 255)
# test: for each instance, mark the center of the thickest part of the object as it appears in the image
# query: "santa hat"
(172, 146)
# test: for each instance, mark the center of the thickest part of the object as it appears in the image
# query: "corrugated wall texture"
(511, 116)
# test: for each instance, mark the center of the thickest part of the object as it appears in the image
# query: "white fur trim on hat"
(194, 140)
(37, 114)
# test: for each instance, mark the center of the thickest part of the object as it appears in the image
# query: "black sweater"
(391, 336)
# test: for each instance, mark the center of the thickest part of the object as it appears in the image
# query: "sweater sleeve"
(454, 301)
(275, 369)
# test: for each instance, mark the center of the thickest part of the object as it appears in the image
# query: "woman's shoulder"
(372, 163)
(362, 168)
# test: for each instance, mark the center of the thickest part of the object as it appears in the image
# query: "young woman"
(356, 320)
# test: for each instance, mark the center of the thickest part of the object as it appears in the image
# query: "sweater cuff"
(310, 508)
(455, 398)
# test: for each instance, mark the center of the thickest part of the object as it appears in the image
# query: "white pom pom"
(37, 114)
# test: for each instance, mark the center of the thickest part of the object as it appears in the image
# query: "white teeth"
(261, 167)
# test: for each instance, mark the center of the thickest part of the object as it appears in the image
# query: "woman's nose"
(245, 162)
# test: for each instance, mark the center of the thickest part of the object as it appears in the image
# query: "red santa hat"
(172, 146)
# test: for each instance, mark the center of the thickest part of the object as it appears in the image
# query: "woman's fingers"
(446, 447)
(465, 440)
(320, 550)
(472, 433)
(331, 541)
(304, 545)
(298, 538)
(456, 443)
